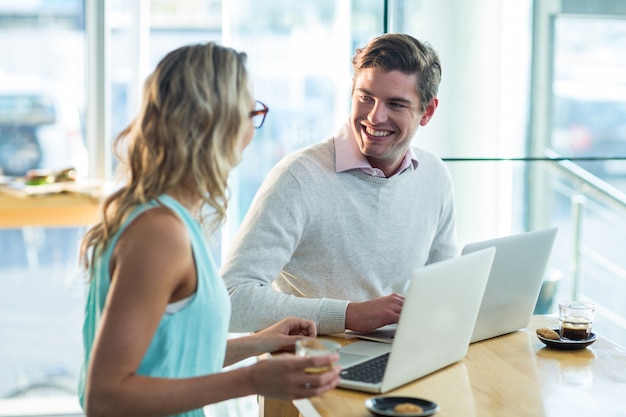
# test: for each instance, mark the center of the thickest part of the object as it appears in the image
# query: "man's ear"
(430, 110)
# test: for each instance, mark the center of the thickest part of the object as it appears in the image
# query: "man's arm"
(445, 244)
(263, 245)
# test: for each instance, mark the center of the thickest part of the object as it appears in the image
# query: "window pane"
(138, 43)
(41, 309)
(588, 124)
(299, 55)
(41, 87)
(42, 289)
(589, 107)
(41, 292)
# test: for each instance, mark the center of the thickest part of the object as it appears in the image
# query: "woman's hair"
(404, 53)
(187, 136)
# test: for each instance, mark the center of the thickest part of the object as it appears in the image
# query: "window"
(523, 82)
(299, 56)
(41, 295)
(290, 47)
(578, 109)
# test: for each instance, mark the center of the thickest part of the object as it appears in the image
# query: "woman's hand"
(285, 376)
(279, 337)
(282, 336)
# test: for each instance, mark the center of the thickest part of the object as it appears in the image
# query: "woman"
(157, 314)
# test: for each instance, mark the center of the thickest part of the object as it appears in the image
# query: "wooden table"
(511, 375)
(62, 210)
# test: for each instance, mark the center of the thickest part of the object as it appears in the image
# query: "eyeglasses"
(258, 115)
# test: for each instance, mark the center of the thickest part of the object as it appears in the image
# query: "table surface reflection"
(511, 375)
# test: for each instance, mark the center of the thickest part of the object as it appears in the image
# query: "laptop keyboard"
(370, 371)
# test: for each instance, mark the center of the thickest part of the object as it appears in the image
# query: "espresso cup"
(316, 347)
(576, 319)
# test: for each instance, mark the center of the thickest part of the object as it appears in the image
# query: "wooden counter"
(511, 375)
(63, 210)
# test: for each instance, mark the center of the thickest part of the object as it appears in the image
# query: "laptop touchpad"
(361, 351)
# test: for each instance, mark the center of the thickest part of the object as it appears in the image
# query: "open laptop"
(512, 290)
(514, 282)
(434, 330)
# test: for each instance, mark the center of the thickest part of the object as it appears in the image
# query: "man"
(337, 229)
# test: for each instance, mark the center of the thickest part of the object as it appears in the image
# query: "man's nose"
(378, 113)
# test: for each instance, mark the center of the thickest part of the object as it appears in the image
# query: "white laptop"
(434, 330)
(513, 287)
(514, 282)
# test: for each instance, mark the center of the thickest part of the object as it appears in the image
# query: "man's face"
(385, 116)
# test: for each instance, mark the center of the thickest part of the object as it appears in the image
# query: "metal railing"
(587, 188)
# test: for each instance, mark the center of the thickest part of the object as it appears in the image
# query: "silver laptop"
(514, 282)
(434, 329)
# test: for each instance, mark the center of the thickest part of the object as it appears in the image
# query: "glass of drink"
(576, 319)
(316, 347)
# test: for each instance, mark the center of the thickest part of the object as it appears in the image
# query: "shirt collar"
(348, 156)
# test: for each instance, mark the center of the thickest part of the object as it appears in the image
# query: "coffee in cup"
(576, 319)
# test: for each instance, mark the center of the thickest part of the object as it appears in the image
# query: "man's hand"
(369, 315)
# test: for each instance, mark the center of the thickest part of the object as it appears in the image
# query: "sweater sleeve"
(263, 245)
(445, 243)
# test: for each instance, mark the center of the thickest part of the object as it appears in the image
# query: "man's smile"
(375, 132)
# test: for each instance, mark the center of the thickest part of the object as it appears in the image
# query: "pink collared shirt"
(348, 156)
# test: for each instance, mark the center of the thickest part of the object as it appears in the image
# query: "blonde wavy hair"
(188, 134)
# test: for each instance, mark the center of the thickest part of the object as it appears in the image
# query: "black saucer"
(383, 406)
(565, 344)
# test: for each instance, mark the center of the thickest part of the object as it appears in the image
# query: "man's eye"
(365, 98)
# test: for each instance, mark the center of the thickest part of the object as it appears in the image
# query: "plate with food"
(401, 406)
(552, 338)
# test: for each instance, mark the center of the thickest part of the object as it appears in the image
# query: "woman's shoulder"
(154, 230)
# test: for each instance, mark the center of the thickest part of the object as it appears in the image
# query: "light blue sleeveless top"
(188, 343)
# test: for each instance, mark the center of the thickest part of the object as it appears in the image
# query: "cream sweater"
(313, 239)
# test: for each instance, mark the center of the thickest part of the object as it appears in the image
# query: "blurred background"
(531, 123)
